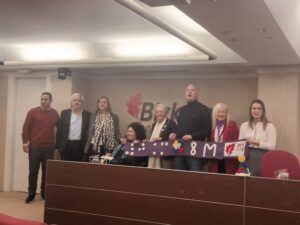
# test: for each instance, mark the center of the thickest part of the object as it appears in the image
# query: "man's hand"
(26, 147)
(172, 136)
(187, 137)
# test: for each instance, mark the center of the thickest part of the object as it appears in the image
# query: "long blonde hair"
(215, 110)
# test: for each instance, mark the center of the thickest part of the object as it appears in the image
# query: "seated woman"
(223, 129)
(161, 129)
(104, 133)
(135, 133)
(259, 133)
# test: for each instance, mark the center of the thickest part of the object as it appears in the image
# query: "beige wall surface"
(61, 91)
(82, 85)
(280, 92)
(236, 92)
(3, 104)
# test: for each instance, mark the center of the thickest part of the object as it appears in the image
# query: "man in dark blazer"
(72, 130)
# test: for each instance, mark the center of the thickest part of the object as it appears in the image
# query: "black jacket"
(63, 128)
(168, 128)
(194, 119)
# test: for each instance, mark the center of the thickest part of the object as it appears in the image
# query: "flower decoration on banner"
(178, 146)
(244, 167)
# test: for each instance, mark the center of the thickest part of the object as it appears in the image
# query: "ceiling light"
(48, 52)
(100, 62)
(152, 48)
(268, 37)
(262, 30)
(24, 71)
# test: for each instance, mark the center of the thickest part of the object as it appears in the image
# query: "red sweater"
(230, 133)
(39, 126)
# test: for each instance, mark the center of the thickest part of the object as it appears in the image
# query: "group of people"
(81, 134)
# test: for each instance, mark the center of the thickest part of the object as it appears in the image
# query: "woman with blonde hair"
(223, 129)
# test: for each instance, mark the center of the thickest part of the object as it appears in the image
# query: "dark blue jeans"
(188, 163)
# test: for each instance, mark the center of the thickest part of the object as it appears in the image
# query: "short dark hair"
(47, 93)
(139, 130)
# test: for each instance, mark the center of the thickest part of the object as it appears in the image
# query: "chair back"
(275, 160)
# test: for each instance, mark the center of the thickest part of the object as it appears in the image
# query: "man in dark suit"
(72, 130)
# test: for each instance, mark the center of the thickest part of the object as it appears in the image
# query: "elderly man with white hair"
(72, 128)
(161, 129)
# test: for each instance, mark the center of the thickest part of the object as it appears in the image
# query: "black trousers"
(38, 156)
(73, 151)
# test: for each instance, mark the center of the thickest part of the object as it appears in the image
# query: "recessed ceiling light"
(225, 32)
(262, 30)
(268, 37)
(152, 48)
(25, 71)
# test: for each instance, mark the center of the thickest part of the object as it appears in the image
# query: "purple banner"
(197, 149)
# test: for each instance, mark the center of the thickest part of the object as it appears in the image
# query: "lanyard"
(219, 134)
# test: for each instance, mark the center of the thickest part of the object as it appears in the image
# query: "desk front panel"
(101, 194)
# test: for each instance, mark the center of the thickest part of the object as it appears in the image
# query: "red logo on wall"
(144, 111)
(134, 105)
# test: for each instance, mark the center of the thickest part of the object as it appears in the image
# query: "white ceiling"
(239, 32)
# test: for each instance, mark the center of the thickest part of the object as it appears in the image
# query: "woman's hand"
(253, 142)
(187, 137)
(123, 141)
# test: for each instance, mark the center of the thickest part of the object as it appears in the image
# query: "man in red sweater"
(38, 137)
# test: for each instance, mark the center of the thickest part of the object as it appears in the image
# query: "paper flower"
(244, 167)
(241, 158)
(178, 146)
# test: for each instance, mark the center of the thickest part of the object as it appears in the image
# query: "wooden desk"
(92, 194)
